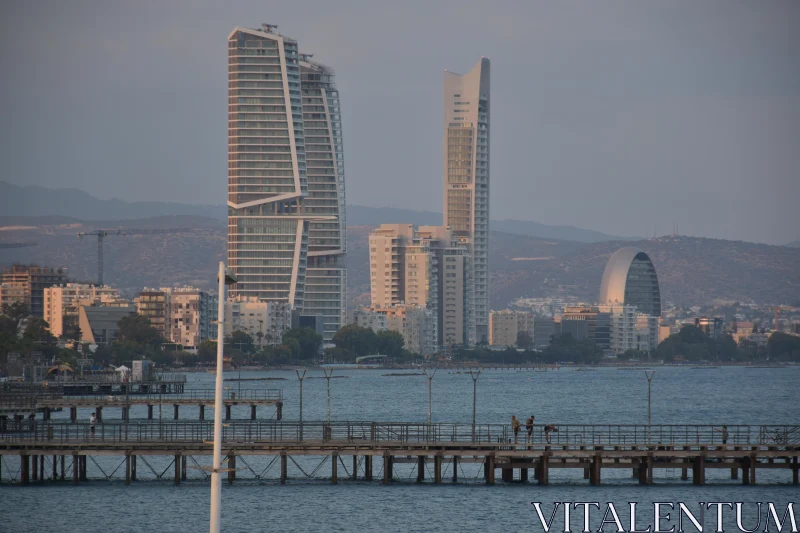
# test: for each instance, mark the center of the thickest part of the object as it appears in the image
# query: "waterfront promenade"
(49, 451)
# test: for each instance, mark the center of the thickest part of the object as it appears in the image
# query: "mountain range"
(75, 203)
(691, 271)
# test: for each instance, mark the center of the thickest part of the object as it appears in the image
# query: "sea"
(308, 502)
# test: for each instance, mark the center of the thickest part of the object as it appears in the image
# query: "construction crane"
(102, 234)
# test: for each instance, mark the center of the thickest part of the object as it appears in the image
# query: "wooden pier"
(46, 403)
(44, 449)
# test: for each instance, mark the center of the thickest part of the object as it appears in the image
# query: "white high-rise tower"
(466, 180)
(285, 190)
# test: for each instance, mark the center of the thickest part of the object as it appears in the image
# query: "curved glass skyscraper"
(630, 279)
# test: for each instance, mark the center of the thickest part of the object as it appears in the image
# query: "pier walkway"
(591, 449)
(49, 401)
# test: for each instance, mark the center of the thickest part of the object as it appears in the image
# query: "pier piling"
(334, 468)
(23, 469)
(283, 467)
(387, 468)
(231, 467)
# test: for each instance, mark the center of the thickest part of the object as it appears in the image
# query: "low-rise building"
(543, 331)
(99, 323)
(33, 280)
(710, 326)
(265, 322)
(154, 304)
(415, 323)
(11, 294)
(192, 313)
(373, 320)
(61, 303)
(506, 326)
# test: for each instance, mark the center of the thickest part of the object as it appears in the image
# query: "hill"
(16, 201)
(691, 270)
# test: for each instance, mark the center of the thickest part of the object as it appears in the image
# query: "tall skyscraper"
(326, 279)
(466, 179)
(285, 190)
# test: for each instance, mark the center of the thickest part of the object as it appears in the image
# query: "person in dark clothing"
(724, 432)
(529, 427)
(515, 425)
(547, 430)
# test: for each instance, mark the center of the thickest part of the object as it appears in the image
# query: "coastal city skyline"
(454, 253)
(587, 98)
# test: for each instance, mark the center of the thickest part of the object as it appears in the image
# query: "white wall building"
(61, 303)
(265, 322)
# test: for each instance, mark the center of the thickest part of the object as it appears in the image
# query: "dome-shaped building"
(630, 279)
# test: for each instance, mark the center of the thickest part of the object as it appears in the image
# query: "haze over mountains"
(527, 259)
(75, 203)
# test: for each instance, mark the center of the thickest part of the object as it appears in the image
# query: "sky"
(631, 118)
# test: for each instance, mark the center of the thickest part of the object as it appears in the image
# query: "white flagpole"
(216, 479)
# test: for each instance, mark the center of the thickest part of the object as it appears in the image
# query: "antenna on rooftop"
(269, 27)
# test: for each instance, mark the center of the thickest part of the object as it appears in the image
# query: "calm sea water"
(679, 396)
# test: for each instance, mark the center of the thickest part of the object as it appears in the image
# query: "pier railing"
(30, 399)
(265, 432)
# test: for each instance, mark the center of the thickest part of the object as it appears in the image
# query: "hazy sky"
(623, 117)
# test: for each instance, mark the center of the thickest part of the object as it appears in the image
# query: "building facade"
(466, 179)
(415, 323)
(711, 326)
(286, 204)
(265, 322)
(373, 320)
(598, 323)
(11, 294)
(425, 267)
(506, 326)
(32, 280)
(387, 255)
(61, 303)
(192, 314)
(155, 305)
(326, 277)
(99, 324)
(630, 279)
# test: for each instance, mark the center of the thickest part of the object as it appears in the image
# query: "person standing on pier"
(724, 432)
(547, 429)
(529, 427)
(92, 421)
(515, 425)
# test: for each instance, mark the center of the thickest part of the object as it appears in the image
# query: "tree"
(357, 339)
(524, 340)
(16, 311)
(389, 343)
(241, 341)
(207, 351)
(137, 329)
(308, 340)
(37, 330)
(784, 346)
